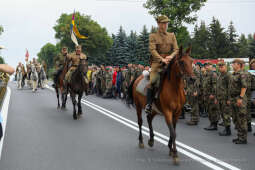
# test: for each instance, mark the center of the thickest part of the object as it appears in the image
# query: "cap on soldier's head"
(78, 47)
(64, 47)
(221, 63)
(162, 19)
(239, 61)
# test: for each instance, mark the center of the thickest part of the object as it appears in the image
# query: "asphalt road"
(38, 136)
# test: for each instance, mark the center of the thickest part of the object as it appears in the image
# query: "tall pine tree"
(200, 41)
(232, 50)
(143, 47)
(218, 44)
(132, 43)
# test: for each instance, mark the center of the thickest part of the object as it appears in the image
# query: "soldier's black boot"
(226, 131)
(249, 127)
(213, 126)
(149, 101)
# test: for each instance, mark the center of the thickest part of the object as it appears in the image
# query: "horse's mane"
(169, 68)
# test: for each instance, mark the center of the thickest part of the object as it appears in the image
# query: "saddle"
(143, 86)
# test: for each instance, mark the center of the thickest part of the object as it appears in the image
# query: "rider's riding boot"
(149, 101)
(54, 80)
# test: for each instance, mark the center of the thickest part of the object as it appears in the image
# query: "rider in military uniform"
(163, 47)
(59, 64)
(75, 59)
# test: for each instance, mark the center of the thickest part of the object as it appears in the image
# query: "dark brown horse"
(170, 101)
(77, 86)
(60, 86)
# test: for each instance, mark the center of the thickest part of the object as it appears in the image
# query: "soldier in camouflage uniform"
(163, 47)
(108, 83)
(192, 92)
(252, 67)
(75, 58)
(202, 100)
(239, 101)
(222, 97)
(210, 95)
(248, 95)
(59, 61)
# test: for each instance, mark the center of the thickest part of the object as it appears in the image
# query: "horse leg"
(79, 104)
(171, 143)
(57, 92)
(149, 120)
(140, 123)
(74, 105)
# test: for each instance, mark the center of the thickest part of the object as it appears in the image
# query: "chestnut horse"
(170, 100)
(60, 86)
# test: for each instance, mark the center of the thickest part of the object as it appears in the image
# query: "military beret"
(252, 61)
(214, 65)
(205, 64)
(221, 63)
(209, 63)
(162, 18)
(239, 61)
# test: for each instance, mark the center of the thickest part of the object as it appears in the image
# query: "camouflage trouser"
(239, 116)
(225, 112)
(103, 85)
(108, 86)
(248, 109)
(213, 110)
(193, 101)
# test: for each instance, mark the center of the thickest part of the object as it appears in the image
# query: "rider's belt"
(74, 65)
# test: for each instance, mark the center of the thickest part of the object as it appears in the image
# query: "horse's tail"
(130, 97)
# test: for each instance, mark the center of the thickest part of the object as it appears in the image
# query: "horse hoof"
(176, 161)
(141, 145)
(151, 143)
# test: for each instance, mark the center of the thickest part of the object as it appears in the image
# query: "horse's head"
(185, 62)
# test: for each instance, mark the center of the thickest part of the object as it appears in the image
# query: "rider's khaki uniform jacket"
(161, 45)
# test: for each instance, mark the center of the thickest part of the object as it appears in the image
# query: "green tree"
(1, 29)
(95, 46)
(178, 11)
(252, 48)
(47, 54)
(121, 48)
(218, 43)
(232, 41)
(2, 60)
(243, 46)
(132, 42)
(200, 41)
(143, 54)
(153, 29)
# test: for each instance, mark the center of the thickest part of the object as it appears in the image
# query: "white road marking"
(211, 158)
(163, 139)
(4, 113)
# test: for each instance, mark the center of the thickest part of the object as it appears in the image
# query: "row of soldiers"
(223, 96)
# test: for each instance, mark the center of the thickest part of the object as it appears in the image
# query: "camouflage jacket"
(223, 86)
(238, 81)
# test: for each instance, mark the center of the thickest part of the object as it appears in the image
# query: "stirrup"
(148, 109)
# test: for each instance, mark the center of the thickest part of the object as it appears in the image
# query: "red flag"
(27, 55)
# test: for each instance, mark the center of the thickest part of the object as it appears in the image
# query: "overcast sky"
(28, 23)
